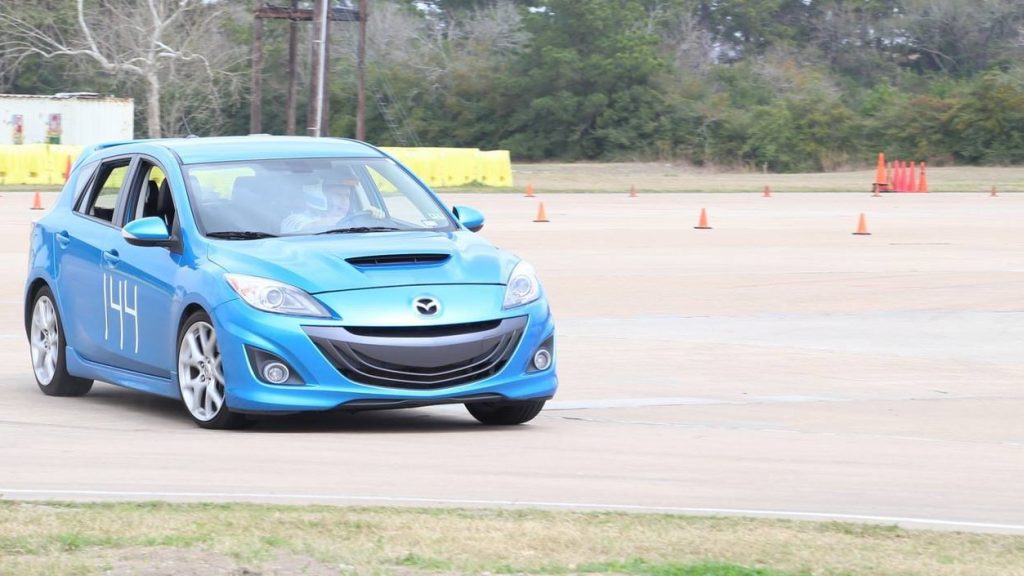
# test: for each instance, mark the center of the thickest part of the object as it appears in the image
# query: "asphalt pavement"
(775, 365)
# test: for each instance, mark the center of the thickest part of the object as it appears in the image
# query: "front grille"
(420, 358)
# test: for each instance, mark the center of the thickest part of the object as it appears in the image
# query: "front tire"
(200, 376)
(49, 360)
(505, 413)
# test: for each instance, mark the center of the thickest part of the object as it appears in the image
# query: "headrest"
(152, 190)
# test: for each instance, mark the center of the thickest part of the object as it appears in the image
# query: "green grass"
(8, 188)
(48, 538)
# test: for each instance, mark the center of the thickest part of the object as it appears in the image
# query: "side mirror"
(469, 217)
(151, 231)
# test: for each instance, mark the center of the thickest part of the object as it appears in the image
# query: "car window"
(151, 195)
(399, 205)
(301, 196)
(217, 183)
(84, 174)
(105, 188)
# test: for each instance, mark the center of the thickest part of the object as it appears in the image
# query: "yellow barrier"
(58, 159)
(44, 164)
(496, 168)
(457, 166)
(40, 164)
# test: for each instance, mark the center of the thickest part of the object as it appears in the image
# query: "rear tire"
(201, 384)
(505, 413)
(47, 347)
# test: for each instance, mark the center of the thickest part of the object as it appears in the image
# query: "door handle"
(63, 239)
(110, 258)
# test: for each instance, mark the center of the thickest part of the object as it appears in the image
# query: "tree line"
(781, 85)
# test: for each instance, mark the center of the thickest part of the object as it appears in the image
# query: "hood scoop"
(397, 260)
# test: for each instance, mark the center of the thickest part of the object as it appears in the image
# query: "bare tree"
(690, 45)
(391, 34)
(961, 38)
(438, 44)
(156, 41)
(495, 30)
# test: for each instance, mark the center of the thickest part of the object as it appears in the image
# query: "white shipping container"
(77, 118)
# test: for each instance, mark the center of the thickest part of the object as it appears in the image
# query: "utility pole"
(256, 104)
(361, 74)
(322, 14)
(293, 45)
(315, 117)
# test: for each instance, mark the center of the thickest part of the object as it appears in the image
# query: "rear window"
(101, 202)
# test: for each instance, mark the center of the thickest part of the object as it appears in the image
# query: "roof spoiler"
(90, 150)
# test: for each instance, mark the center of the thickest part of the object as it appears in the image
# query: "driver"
(324, 210)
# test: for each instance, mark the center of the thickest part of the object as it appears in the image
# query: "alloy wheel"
(45, 340)
(199, 372)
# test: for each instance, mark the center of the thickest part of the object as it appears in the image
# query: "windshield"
(264, 198)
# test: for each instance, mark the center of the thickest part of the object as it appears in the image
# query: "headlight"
(272, 296)
(523, 286)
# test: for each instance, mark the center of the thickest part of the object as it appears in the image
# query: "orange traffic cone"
(542, 216)
(632, 191)
(37, 202)
(702, 224)
(922, 183)
(862, 227)
(912, 178)
(901, 176)
(995, 192)
(67, 168)
(529, 190)
(767, 192)
(880, 179)
(892, 176)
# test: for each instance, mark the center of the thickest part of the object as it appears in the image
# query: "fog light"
(271, 369)
(542, 359)
(275, 372)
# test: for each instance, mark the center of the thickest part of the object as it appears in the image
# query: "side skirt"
(83, 368)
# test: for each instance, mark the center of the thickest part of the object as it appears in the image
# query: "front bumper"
(300, 342)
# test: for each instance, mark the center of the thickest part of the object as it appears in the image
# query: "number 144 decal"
(113, 288)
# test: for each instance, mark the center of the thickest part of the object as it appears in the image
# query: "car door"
(143, 279)
(83, 247)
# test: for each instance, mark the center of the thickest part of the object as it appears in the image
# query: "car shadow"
(164, 410)
(401, 421)
(435, 419)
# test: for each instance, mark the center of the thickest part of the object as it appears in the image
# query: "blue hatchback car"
(271, 275)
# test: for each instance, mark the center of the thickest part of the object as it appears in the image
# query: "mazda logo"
(427, 306)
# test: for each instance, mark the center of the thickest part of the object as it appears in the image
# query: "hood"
(358, 261)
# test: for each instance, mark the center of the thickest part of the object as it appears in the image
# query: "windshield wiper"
(360, 230)
(240, 235)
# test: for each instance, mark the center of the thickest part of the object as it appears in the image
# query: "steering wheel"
(356, 218)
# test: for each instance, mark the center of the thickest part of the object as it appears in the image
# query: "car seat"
(149, 202)
(165, 205)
